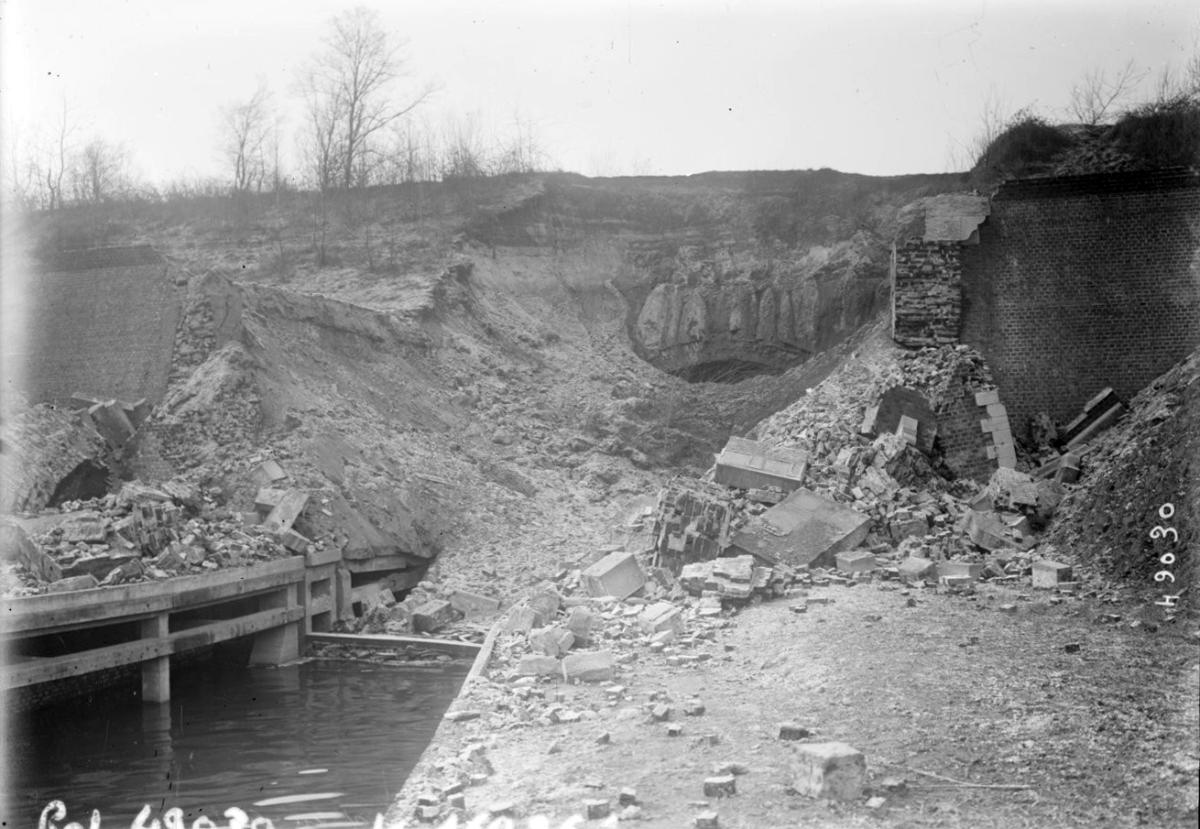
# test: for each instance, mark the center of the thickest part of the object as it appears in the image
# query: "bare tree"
(100, 171)
(54, 157)
(993, 118)
(247, 129)
(346, 89)
(1096, 96)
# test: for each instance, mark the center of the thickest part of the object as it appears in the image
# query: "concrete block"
(959, 569)
(473, 605)
(793, 731)
(831, 770)
(617, 574)
(915, 567)
(987, 398)
(432, 616)
(589, 666)
(294, 541)
(1050, 574)
(661, 616)
(287, 510)
(532, 664)
(267, 473)
(267, 499)
(723, 786)
(856, 561)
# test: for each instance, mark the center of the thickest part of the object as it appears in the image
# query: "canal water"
(321, 743)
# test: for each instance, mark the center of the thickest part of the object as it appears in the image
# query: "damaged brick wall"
(926, 293)
(1081, 283)
(99, 322)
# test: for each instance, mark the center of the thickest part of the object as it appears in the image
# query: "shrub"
(1161, 134)
(1027, 146)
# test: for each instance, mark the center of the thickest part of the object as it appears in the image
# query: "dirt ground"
(1052, 714)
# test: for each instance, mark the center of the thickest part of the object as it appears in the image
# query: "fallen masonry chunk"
(473, 604)
(747, 464)
(876, 802)
(84, 582)
(520, 620)
(432, 616)
(802, 529)
(914, 567)
(722, 786)
(286, 511)
(693, 708)
(674, 730)
(294, 541)
(267, 499)
(617, 574)
(537, 665)
(457, 801)
(830, 770)
(707, 820)
(627, 797)
(793, 731)
(661, 712)
(579, 622)
(968, 569)
(856, 561)
(552, 641)
(604, 739)
(590, 666)
(596, 809)
(661, 616)
(662, 638)
(1049, 574)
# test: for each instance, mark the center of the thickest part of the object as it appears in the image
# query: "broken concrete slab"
(84, 527)
(267, 473)
(618, 574)
(804, 529)
(267, 498)
(830, 770)
(66, 585)
(589, 666)
(98, 564)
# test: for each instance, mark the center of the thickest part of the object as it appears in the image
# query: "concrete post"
(156, 673)
(281, 644)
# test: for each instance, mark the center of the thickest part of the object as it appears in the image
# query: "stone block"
(1050, 574)
(432, 616)
(804, 529)
(724, 785)
(831, 770)
(473, 605)
(589, 666)
(959, 569)
(267, 473)
(533, 664)
(320, 557)
(661, 616)
(545, 604)
(286, 511)
(268, 498)
(520, 619)
(915, 567)
(793, 731)
(856, 561)
(579, 622)
(294, 541)
(987, 398)
(617, 574)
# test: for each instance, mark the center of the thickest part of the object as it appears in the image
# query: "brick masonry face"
(1067, 295)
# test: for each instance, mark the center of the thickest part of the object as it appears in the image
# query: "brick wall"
(926, 293)
(99, 322)
(1083, 282)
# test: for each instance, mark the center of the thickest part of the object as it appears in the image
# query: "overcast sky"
(610, 87)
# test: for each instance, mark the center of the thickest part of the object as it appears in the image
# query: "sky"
(607, 87)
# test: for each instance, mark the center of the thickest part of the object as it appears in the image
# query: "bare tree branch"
(1096, 96)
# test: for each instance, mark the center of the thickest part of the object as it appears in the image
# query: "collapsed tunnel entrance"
(87, 480)
(730, 370)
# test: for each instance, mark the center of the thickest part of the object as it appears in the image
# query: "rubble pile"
(141, 533)
(1141, 474)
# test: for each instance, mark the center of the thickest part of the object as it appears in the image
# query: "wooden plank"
(74, 664)
(450, 646)
(65, 611)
